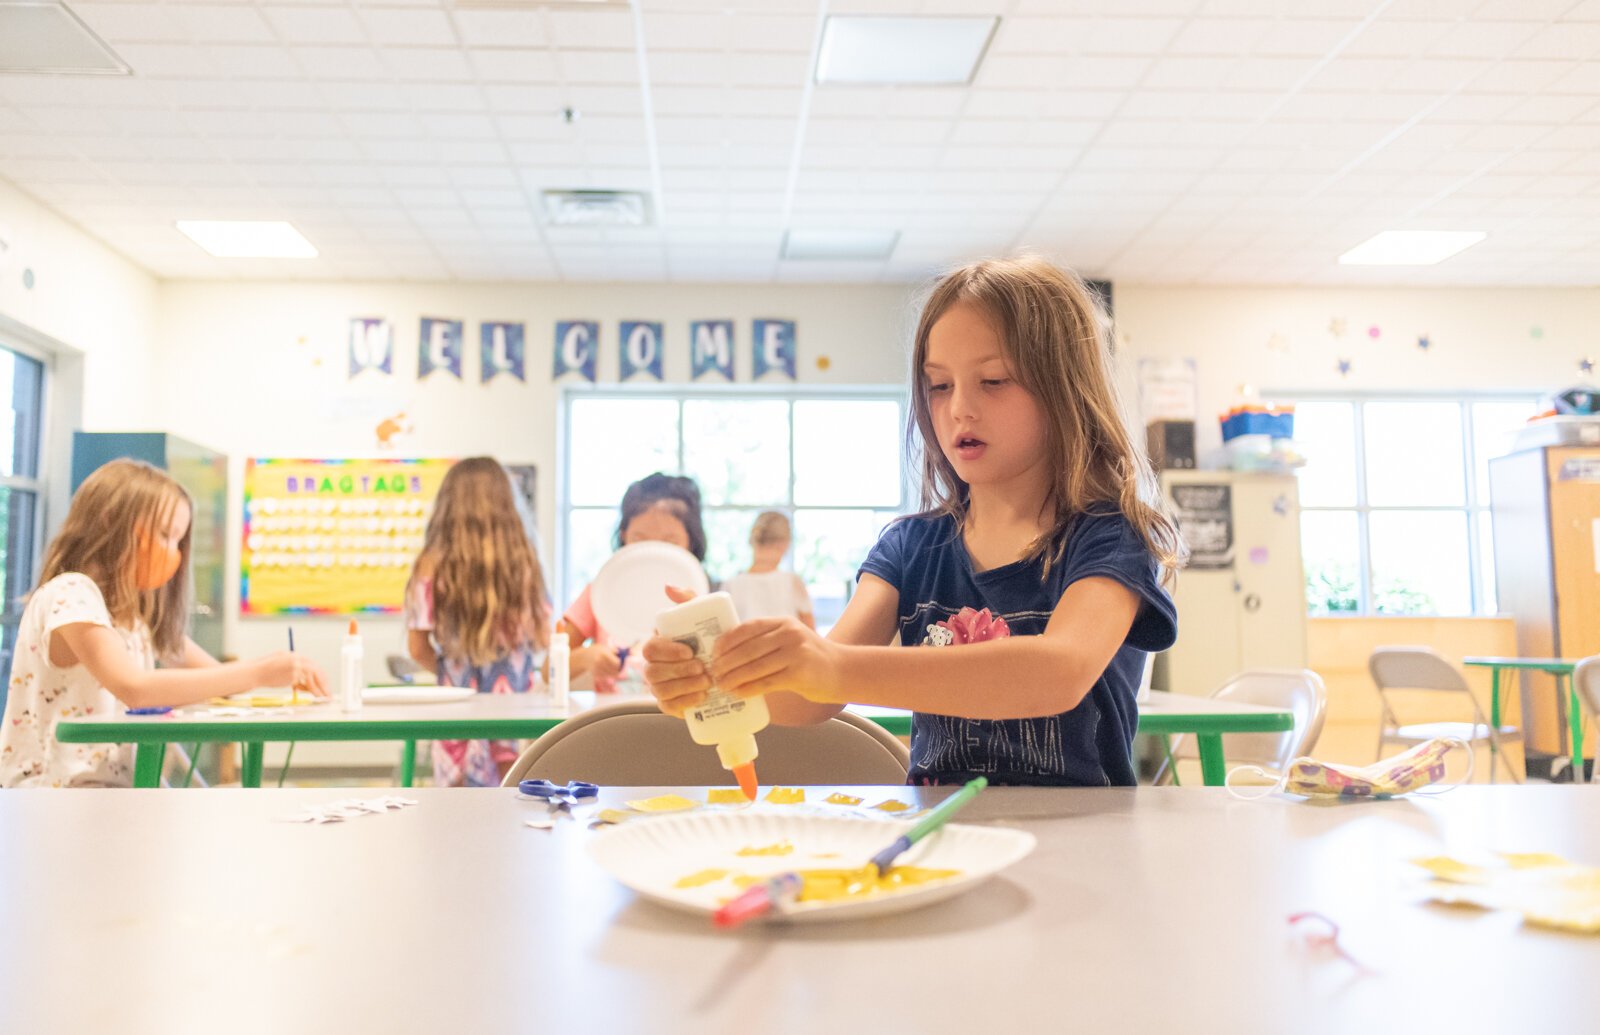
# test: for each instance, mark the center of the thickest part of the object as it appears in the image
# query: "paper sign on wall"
(1205, 518)
(711, 348)
(577, 345)
(641, 349)
(772, 346)
(501, 350)
(371, 345)
(438, 347)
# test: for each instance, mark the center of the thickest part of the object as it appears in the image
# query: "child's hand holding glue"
(754, 658)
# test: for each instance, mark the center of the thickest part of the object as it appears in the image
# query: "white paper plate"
(415, 694)
(631, 588)
(651, 855)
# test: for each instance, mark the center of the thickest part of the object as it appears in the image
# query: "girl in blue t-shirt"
(1039, 553)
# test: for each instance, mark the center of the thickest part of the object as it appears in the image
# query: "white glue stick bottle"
(729, 722)
(352, 680)
(560, 667)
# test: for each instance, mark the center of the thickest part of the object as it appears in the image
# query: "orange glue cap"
(746, 775)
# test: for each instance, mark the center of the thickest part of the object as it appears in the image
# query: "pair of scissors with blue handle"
(558, 795)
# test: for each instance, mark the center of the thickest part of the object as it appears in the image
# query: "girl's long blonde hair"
(100, 539)
(488, 589)
(1053, 334)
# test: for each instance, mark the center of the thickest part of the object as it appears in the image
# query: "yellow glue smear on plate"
(725, 796)
(892, 805)
(781, 848)
(786, 795)
(664, 803)
(861, 882)
(842, 799)
(695, 880)
(1547, 890)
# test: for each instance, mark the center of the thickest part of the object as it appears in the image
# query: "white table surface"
(1187, 704)
(1149, 910)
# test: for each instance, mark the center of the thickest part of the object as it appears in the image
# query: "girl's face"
(160, 551)
(990, 428)
(659, 524)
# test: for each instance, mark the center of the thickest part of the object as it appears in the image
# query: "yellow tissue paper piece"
(725, 796)
(892, 805)
(842, 799)
(614, 815)
(665, 803)
(695, 880)
(781, 848)
(1546, 889)
(786, 795)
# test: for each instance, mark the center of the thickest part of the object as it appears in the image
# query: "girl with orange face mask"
(113, 597)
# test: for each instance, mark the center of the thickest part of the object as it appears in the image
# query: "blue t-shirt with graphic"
(944, 603)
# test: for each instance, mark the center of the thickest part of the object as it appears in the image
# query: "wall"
(260, 370)
(90, 308)
(1482, 340)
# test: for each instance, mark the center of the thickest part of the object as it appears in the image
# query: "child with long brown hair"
(114, 597)
(477, 613)
(1040, 552)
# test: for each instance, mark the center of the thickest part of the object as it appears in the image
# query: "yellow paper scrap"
(725, 796)
(695, 880)
(892, 805)
(1546, 889)
(786, 795)
(615, 815)
(664, 803)
(842, 799)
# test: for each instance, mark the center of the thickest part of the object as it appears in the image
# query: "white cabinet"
(1242, 602)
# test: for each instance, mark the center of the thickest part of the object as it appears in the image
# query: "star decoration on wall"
(1424, 342)
(1536, 332)
(1373, 332)
(1337, 326)
(1586, 365)
(1278, 343)
(1344, 368)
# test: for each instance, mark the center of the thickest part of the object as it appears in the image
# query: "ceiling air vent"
(48, 39)
(596, 208)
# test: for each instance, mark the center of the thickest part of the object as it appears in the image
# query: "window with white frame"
(22, 386)
(830, 460)
(1394, 501)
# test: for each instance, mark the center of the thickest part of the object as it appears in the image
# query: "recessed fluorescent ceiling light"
(230, 239)
(48, 39)
(857, 245)
(1410, 247)
(902, 50)
(596, 208)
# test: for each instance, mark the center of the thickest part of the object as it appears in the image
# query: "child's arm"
(1016, 678)
(680, 682)
(419, 644)
(101, 651)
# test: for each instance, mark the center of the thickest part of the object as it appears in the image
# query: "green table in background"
(526, 716)
(1164, 714)
(1558, 667)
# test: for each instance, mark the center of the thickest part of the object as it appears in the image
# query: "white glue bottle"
(560, 668)
(729, 722)
(352, 680)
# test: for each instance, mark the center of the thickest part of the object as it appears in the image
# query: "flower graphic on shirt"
(966, 626)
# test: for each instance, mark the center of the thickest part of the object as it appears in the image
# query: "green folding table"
(1558, 667)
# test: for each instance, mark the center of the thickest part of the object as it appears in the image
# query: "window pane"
(738, 450)
(590, 540)
(1325, 432)
(1488, 601)
(21, 389)
(1330, 543)
(617, 441)
(17, 510)
(1420, 563)
(727, 541)
(829, 546)
(847, 452)
(1494, 429)
(1414, 455)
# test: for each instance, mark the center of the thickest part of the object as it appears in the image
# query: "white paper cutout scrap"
(349, 808)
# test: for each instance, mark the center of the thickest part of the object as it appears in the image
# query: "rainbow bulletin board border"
(332, 537)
